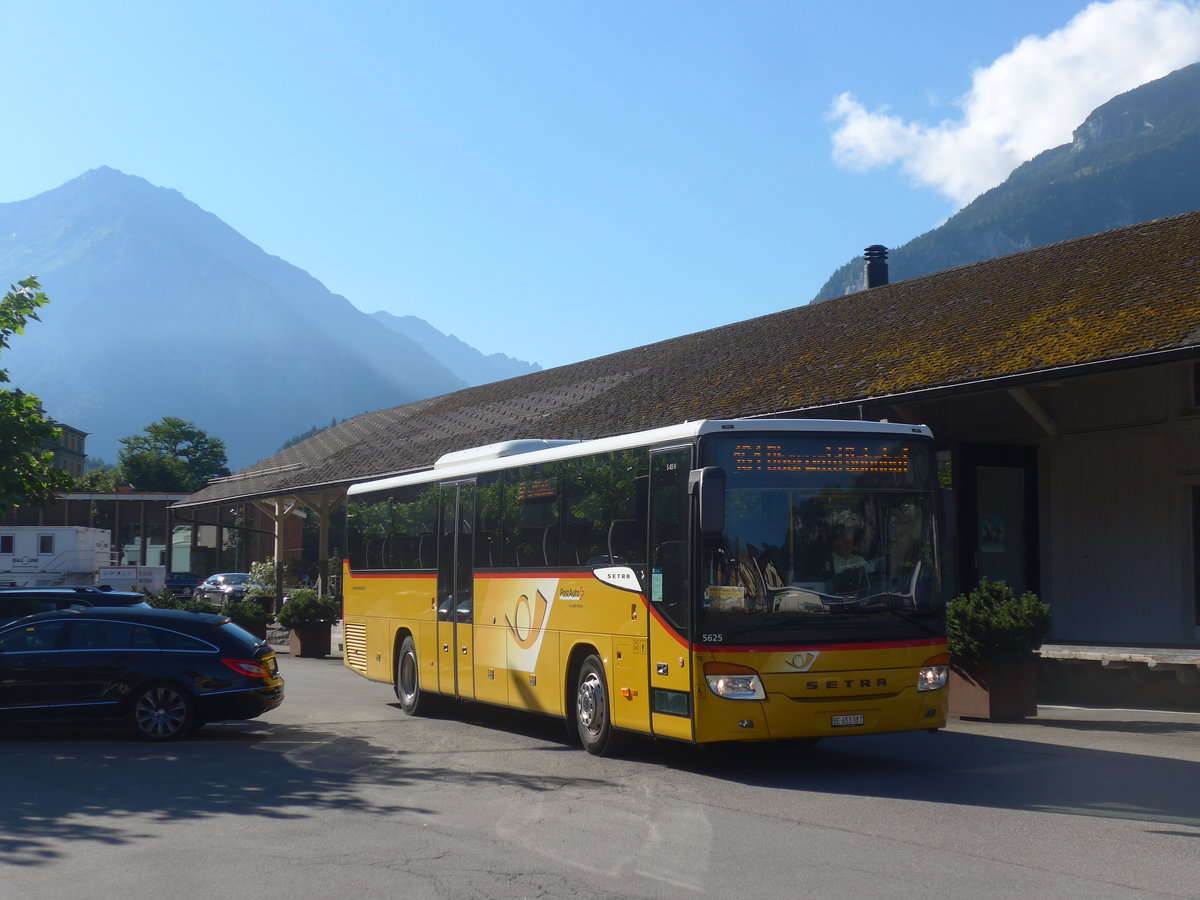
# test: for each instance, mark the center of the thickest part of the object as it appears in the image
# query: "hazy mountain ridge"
(1133, 159)
(460, 357)
(159, 308)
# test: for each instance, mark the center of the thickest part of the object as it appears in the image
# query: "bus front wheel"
(593, 713)
(413, 700)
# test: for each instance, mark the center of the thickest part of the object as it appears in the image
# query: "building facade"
(146, 531)
(1061, 383)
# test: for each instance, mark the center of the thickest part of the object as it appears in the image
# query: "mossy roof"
(1118, 295)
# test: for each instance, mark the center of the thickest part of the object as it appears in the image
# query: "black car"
(25, 601)
(162, 671)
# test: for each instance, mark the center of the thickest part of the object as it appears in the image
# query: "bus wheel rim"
(589, 703)
(408, 676)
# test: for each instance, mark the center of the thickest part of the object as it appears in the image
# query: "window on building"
(6, 543)
(45, 545)
(1196, 556)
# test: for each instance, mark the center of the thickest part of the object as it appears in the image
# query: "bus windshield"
(825, 540)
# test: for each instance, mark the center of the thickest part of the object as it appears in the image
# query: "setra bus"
(712, 581)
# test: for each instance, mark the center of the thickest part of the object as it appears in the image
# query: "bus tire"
(413, 700)
(593, 711)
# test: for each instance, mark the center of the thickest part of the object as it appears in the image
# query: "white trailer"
(151, 579)
(45, 555)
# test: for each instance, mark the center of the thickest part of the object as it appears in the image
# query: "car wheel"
(413, 700)
(161, 712)
(593, 717)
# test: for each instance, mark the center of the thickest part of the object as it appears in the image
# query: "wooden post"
(323, 504)
(276, 511)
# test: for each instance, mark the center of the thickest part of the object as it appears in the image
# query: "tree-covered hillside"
(1134, 159)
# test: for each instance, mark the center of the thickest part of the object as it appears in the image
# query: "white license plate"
(847, 721)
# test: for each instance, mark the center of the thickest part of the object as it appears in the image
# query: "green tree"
(171, 455)
(100, 478)
(27, 473)
(315, 430)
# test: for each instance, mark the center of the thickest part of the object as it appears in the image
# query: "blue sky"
(559, 180)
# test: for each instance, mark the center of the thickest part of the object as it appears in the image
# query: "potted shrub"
(250, 615)
(993, 637)
(164, 599)
(196, 606)
(309, 617)
(262, 585)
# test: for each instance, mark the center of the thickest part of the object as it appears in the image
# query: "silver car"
(218, 590)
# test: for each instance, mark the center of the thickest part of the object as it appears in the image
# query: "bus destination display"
(832, 459)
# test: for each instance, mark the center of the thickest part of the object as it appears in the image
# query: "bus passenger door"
(670, 590)
(456, 590)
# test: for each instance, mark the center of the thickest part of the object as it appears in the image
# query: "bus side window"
(625, 542)
(489, 494)
(531, 512)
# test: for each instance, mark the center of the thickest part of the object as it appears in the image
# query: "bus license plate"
(847, 721)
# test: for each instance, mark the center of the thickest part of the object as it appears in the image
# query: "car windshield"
(842, 555)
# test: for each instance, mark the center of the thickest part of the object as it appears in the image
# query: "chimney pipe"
(877, 267)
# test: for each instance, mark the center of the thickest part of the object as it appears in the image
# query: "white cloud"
(1028, 100)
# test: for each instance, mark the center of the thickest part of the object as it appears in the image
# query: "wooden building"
(1062, 384)
(146, 531)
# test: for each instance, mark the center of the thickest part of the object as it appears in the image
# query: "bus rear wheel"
(593, 713)
(413, 700)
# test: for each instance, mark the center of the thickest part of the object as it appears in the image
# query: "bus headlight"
(934, 673)
(734, 682)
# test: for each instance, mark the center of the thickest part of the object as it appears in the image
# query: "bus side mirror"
(708, 484)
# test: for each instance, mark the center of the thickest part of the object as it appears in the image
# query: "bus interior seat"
(622, 540)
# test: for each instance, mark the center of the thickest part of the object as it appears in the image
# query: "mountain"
(459, 357)
(159, 308)
(1134, 159)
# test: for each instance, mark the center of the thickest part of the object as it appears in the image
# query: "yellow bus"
(738, 580)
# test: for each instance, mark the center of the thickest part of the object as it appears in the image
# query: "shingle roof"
(1123, 293)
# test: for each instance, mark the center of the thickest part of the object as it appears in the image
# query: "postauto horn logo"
(802, 662)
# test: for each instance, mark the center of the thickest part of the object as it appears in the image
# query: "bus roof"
(493, 457)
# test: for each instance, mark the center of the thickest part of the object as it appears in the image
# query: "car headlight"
(734, 682)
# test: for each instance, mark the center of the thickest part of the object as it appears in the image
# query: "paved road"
(338, 793)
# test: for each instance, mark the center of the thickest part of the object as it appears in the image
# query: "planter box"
(259, 630)
(312, 641)
(993, 690)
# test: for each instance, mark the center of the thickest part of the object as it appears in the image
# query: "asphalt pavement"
(1146, 732)
(337, 790)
